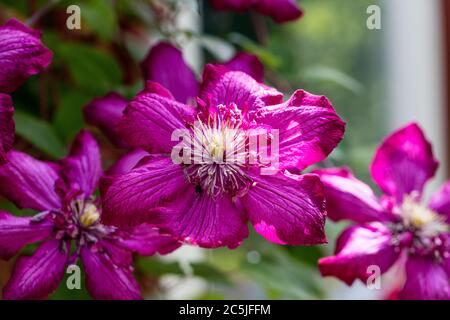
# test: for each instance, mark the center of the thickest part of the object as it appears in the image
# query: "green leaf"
(283, 276)
(322, 73)
(267, 58)
(68, 119)
(93, 70)
(100, 17)
(39, 133)
(157, 267)
(210, 273)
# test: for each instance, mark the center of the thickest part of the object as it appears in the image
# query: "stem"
(41, 12)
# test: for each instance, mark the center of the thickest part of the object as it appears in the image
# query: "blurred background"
(377, 80)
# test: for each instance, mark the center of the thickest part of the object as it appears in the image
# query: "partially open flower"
(398, 224)
(22, 54)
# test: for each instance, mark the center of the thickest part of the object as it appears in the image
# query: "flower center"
(220, 147)
(424, 221)
(90, 215)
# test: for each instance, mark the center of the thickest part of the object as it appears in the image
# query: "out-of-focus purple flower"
(209, 204)
(70, 217)
(395, 225)
(105, 113)
(280, 10)
(22, 54)
(165, 65)
(7, 126)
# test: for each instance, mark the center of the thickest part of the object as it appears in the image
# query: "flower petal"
(7, 126)
(165, 65)
(150, 119)
(29, 183)
(280, 10)
(287, 209)
(127, 162)
(22, 54)
(223, 87)
(440, 201)
(404, 162)
(357, 249)
(105, 280)
(37, 276)
(425, 280)
(17, 232)
(309, 129)
(350, 198)
(248, 63)
(105, 113)
(83, 168)
(128, 200)
(147, 240)
(196, 218)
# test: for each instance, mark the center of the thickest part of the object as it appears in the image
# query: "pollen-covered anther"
(220, 147)
(425, 221)
(90, 215)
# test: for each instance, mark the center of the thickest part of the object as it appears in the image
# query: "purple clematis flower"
(209, 204)
(7, 125)
(22, 54)
(280, 10)
(69, 226)
(397, 226)
(165, 65)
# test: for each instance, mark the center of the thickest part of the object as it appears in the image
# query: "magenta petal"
(22, 54)
(7, 126)
(349, 198)
(309, 128)
(105, 280)
(223, 87)
(37, 276)
(248, 63)
(287, 209)
(196, 218)
(150, 119)
(83, 168)
(358, 248)
(164, 64)
(440, 201)
(425, 280)
(127, 162)
(280, 10)
(128, 200)
(404, 162)
(147, 241)
(105, 113)
(29, 183)
(16, 232)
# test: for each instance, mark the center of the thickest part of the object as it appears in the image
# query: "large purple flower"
(165, 65)
(395, 225)
(22, 54)
(69, 226)
(279, 10)
(209, 203)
